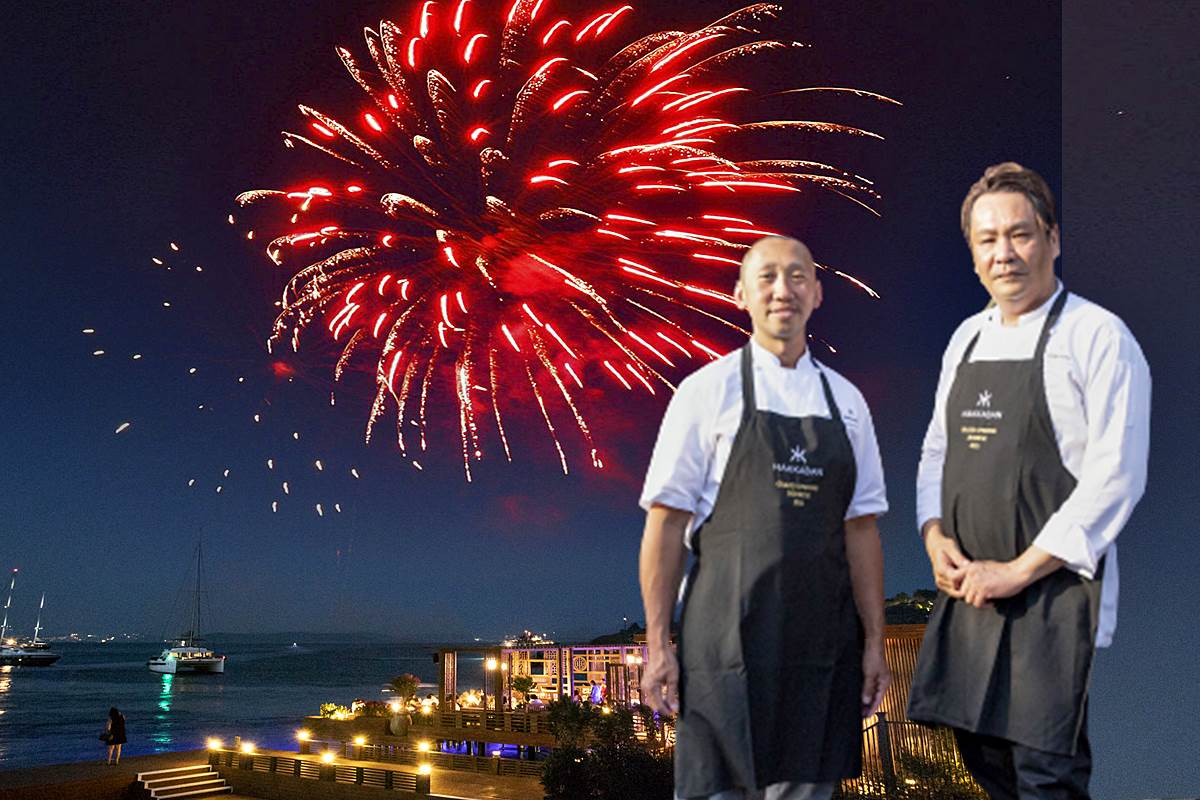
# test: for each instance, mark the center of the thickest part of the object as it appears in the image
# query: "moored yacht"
(189, 656)
(14, 653)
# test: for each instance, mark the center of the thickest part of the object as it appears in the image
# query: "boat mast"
(38, 627)
(7, 603)
(195, 627)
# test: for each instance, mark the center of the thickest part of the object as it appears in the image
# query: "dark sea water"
(52, 715)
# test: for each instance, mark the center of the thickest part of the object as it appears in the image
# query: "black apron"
(770, 642)
(1019, 670)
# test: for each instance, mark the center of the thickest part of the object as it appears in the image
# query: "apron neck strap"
(835, 413)
(749, 404)
(1040, 350)
(1051, 318)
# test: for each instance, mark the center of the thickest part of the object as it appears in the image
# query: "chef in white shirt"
(1033, 461)
(767, 465)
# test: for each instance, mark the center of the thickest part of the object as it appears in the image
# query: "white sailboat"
(14, 653)
(189, 656)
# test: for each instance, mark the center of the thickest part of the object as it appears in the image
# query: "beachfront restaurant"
(558, 672)
(476, 721)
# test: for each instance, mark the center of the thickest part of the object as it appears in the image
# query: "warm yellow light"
(629, 658)
(606, 710)
(303, 735)
(247, 747)
(214, 744)
(491, 663)
(425, 769)
(360, 740)
(423, 746)
(426, 710)
(394, 706)
(327, 756)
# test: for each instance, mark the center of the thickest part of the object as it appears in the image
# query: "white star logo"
(985, 399)
(799, 454)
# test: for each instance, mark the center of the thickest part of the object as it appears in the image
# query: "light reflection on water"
(53, 714)
(163, 723)
(5, 687)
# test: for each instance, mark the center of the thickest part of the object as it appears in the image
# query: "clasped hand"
(978, 583)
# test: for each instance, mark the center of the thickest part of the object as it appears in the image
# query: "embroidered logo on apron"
(983, 421)
(795, 477)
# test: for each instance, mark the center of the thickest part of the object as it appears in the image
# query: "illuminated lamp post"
(507, 683)
(491, 665)
(246, 760)
(214, 751)
(424, 772)
(305, 739)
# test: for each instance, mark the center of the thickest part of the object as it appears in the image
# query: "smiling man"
(767, 466)
(1032, 463)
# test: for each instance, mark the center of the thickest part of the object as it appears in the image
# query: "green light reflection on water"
(162, 719)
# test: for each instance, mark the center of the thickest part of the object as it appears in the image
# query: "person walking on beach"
(1033, 461)
(767, 467)
(114, 735)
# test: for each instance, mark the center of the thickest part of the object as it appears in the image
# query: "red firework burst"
(527, 205)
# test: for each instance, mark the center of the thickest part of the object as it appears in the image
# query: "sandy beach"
(88, 780)
(93, 780)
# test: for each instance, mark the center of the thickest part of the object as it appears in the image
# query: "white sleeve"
(933, 448)
(679, 466)
(870, 493)
(1116, 396)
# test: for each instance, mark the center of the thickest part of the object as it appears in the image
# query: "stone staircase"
(199, 780)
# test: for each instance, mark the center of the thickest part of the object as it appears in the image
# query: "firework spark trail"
(512, 160)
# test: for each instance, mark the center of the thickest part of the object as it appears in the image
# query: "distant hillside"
(303, 637)
(624, 636)
(906, 609)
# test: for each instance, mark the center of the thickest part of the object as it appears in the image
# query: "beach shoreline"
(93, 780)
(89, 780)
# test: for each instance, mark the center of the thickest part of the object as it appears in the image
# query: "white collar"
(762, 357)
(1030, 317)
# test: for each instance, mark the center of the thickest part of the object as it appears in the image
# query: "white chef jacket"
(703, 417)
(1098, 390)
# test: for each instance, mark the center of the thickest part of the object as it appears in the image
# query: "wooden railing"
(398, 754)
(533, 722)
(303, 767)
(902, 759)
(515, 721)
(663, 735)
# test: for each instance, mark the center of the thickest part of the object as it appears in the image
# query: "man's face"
(779, 288)
(1012, 250)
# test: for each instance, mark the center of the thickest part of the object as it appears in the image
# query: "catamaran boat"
(189, 656)
(15, 653)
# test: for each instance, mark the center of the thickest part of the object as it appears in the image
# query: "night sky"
(129, 126)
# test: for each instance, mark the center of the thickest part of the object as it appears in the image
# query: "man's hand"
(877, 677)
(660, 570)
(948, 562)
(660, 681)
(985, 581)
